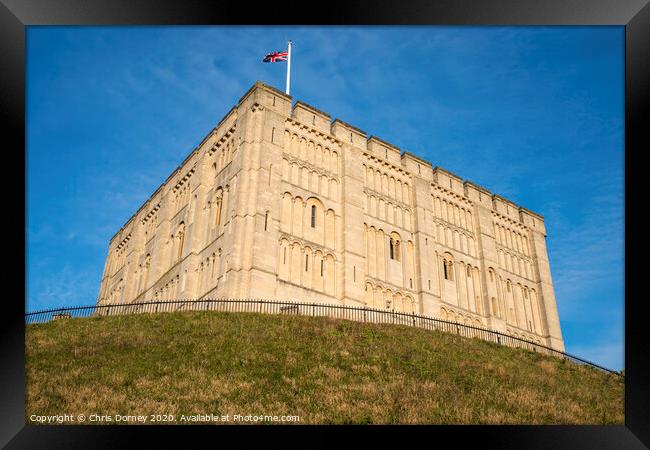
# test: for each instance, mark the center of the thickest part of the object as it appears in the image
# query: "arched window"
(145, 269)
(394, 247)
(181, 239)
(469, 271)
(448, 269)
(218, 202)
(313, 216)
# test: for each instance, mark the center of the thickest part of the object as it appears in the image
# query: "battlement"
(384, 150)
(305, 113)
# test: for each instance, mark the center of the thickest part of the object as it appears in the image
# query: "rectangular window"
(321, 267)
(266, 219)
(313, 216)
(306, 263)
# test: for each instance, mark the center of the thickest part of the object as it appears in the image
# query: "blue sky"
(532, 113)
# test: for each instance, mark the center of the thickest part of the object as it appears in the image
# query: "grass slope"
(323, 370)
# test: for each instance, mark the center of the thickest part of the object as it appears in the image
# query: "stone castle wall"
(279, 202)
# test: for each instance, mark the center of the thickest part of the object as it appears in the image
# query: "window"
(321, 267)
(266, 220)
(394, 249)
(181, 239)
(217, 218)
(448, 268)
(313, 216)
(145, 275)
(306, 263)
(469, 272)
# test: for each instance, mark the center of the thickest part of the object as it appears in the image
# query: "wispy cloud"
(68, 286)
(607, 354)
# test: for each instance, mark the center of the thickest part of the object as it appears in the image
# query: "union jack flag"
(276, 56)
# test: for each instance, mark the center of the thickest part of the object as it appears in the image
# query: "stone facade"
(280, 202)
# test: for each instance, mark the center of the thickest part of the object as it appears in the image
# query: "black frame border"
(15, 15)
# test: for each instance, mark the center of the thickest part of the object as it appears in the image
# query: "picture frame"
(16, 15)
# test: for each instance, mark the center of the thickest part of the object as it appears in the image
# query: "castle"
(280, 202)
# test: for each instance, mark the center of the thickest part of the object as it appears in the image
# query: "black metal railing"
(355, 313)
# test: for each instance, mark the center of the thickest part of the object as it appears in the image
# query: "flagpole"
(288, 68)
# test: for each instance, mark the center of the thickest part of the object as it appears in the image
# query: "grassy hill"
(322, 370)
